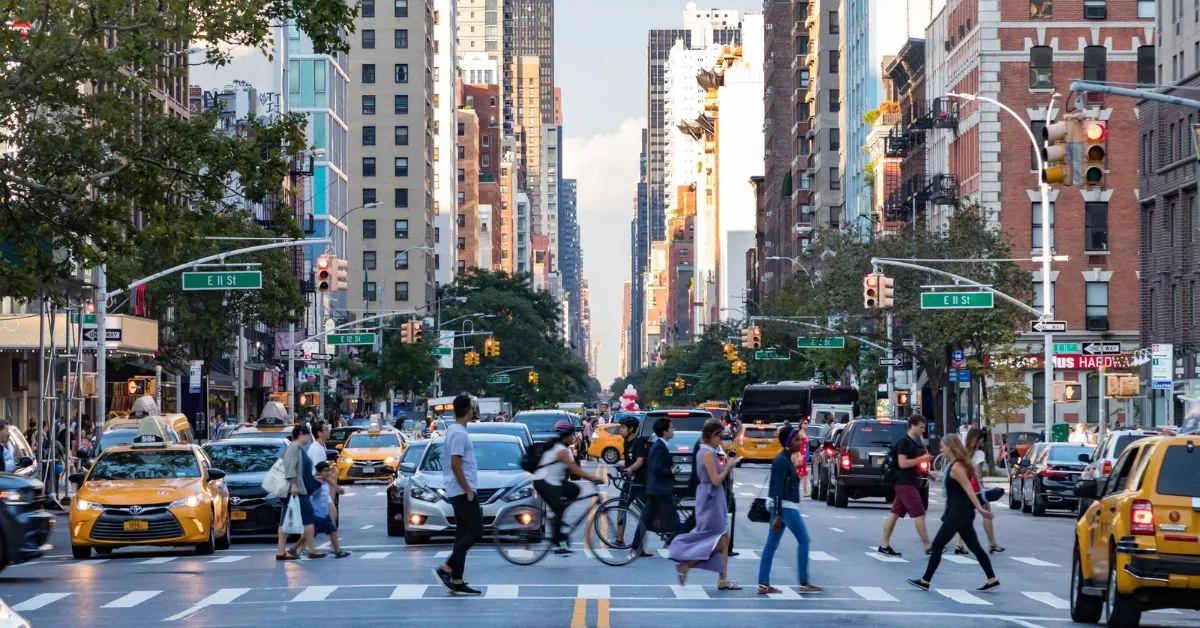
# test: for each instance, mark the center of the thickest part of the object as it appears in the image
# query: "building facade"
(445, 142)
(466, 245)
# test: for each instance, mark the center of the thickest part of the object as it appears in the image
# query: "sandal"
(315, 555)
(996, 549)
(286, 557)
(961, 551)
(766, 589)
(681, 570)
(728, 585)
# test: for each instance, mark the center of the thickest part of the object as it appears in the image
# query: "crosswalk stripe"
(221, 597)
(1047, 598)
(602, 553)
(838, 530)
(1036, 562)
(316, 593)
(131, 599)
(502, 591)
(349, 494)
(820, 556)
(443, 554)
(229, 559)
(785, 593)
(38, 601)
(664, 552)
(593, 591)
(886, 559)
(746, 555)
(158, 560)
(408, 592)
(689, 592)
(962, 560)
(873, 594)
(1167, 611)
(962, 597)
(375, 555)
(92, 561)
(381, 494)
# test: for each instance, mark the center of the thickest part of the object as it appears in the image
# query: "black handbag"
(758, 511)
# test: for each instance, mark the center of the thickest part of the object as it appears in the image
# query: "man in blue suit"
(660, 483)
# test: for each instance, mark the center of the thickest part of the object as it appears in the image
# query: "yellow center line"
(602, 613)
(579, 615)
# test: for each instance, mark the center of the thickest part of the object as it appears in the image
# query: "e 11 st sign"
(957, 300)
(223, 280)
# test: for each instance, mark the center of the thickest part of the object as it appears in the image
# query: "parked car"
(520, 430)
(1101, 460)
(1048, 481)
(25, 525)
(864, 448)
(823, 457)
(246, 462)
(1014, 477)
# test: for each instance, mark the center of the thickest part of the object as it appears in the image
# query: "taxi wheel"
(209, 546)
(1085, 609)
(224, 542)
(611, 455)
(1122, 611)
(81, 552)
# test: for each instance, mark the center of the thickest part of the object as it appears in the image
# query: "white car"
(1105, 456)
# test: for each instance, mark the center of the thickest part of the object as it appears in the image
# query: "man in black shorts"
(910, 453)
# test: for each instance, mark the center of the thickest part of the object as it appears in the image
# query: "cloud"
(606, 167)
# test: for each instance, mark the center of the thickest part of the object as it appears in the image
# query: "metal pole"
(240, 373)
(291, 373)
(101, 347)
(158, 386)
(321, 389)
(891, 370)
(1103, 407)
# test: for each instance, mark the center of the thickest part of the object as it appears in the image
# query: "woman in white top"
(550, 479)
(976, 441)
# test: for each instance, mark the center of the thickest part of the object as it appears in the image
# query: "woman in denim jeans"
(784, 493)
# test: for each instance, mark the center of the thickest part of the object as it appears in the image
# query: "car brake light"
(1054, 474)
(678, 414)
(1107, 467)
(845, 462)
(1141, 517)
(829, 451)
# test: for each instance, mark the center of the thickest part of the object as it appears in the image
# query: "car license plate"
(368, 469)
(238, 515)
(876, 459)
(761, 445)
(137, 525)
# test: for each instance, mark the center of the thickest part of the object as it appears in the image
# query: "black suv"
(687, 424)
(25, 525)
(857, 469)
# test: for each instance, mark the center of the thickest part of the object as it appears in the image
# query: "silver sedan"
(503, 487)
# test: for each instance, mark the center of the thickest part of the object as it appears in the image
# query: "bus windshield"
(791, 402)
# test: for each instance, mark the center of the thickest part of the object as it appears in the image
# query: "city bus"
(775, 402)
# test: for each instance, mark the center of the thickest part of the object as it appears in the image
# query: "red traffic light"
(322, 262)
(1095, 132)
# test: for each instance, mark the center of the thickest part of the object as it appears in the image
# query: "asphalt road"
(384, 580)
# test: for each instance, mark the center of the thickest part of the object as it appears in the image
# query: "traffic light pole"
(891, 372)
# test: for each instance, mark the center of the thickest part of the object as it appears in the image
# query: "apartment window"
(368, 231)
(835, 139)
(400, 8)
(1041, 67)
(833, 64)
(833, 23)
(368, 136)
(437, 234)
(835, 101)
(368, 166)
(368, 196)
(1095, 9)
(462, 219)
(462, 244)
(1036, 303)
(1095, 59)
(462, 174)
(462, 198)
(462, 129)
(368, 8)
(485, 160)
(803, 79)
(368, 73)
(462, 265)
(1095, 226)
(835, 178)
(400, 37)
(400, 167)
(1096, 308)
(400, 104)
(368, 38)
(370, 292)
(462, 152)
(368, 105)
(485, 141)
(1145, 9)
(401, 260)
(401, 227)
(401, 136)
(1145, 64)
(400, 197)
(369, 260)
(401, 72)
(1036, 240)
(401, 291)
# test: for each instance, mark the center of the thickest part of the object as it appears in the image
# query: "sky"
(600, 64)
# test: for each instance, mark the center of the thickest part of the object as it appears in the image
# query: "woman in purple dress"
(707, 545)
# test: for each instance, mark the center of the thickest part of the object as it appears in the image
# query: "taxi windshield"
(363, 440)
(112, 438)
(489, 455)
(145, 465)
(243, 458)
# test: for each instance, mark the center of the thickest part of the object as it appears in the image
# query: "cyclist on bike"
(635, 453)
(550, 479)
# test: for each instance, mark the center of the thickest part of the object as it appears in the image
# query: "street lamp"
(1046, 257)
(795, 262)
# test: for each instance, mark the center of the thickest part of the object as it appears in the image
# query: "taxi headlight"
(191, 501)
(524, 491)
(83, 504)
(345, 460)
(425, 494)
(392, 460)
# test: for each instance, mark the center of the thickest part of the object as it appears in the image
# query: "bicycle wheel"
(614, 535)
(527, 539)
(939, 463)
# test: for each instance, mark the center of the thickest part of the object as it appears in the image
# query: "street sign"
(1162, 366)
(890, 361)
(499, 379)
(88, 319)
(957, 300)
(91, 334)
(770, 355)
(223, 280)
(1066, 347)
(1048, 327)
(320, 357)
(312, 370)
(960, 375)
(1102, 348)
(350, 339)
(835, 342)
(958, 359)
(441, 351)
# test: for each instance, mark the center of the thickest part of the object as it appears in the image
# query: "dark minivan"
(687, 424)
(860, 461)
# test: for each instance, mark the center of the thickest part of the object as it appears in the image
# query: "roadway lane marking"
(785, 593)
(873, 594)
(158, 560)
(375, 555)
(349, 494)
(1036, 562)
(962, 560)
(689, 592)
(131, 599)
(381, 494)
(38, 601)
(408, 592)
(602, 613)
(579, 613)
(502, 591)
(1166, 611)
(367, 527)
(746, 555)
(314, 594)
(443, 554)
(220, 598)
(838, 530)
(962, 597)
(821, 556)
(602, 553)
(593, 591)
(1047, 598)
(228, 559)
(886, 559)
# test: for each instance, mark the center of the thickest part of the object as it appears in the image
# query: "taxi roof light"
(149, 434)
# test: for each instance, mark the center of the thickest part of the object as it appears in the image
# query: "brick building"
(466, 246)
(485, 100)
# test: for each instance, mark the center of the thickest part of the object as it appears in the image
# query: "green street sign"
(835, 342)
(312, 370)
(1066, 347)
(350, 339)
(957, 300)
(499, 379)
(88, 319)
(770, 355)
(223, 280)
(441, 351)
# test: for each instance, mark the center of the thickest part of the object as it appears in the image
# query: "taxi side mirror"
(24, 462)
(1085, 488)
(407, 467)
(331, 455)
(215, 474)
(75, 478)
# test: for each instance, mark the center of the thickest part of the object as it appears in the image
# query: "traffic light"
(1095, 150)
(341, 275)
(491, 348)
(1122, 386)
(755, 337)
(471, 358)
(902, 397)
(668, 391)
(1056, 151)
(887, 291)
(1067, 392)
(324, 270)
(738, 368)
(746, 338)
(416, 332)
(871, 291)
(534, 378)
(731, 353)
(679, 383)
(406, 332)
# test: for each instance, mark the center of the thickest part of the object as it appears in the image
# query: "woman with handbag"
(975, 443)
(784, 495)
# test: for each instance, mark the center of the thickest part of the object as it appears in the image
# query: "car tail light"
(1107, 467)
(845, 461)
(677, 414)
(1054, 474)
(1141, 517)
(829, 451)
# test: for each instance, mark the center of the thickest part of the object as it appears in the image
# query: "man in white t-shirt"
(316, 449)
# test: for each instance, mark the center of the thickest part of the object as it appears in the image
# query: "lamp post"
(795, 262)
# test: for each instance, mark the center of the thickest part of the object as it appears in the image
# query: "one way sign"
(91, 334)
(1102, 348)
(1048, 327)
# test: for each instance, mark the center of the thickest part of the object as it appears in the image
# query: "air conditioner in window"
(801, 229)
(1096, 323)
(1095, 12)
(770, 27)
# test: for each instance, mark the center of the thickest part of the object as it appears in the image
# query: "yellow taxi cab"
(372, 454)
(1137, 547)
(607, 443)
(150, 492)
(757, 442)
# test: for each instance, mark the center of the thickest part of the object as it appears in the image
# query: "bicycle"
(527, 540)
(637, 503)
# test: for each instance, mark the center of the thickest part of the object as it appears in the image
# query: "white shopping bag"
(275, 484)
(293, 523)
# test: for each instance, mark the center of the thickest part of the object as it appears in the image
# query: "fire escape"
(920, 190)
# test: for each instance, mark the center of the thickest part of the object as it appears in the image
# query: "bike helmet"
(564, 427)
(630, 422)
